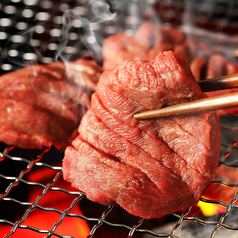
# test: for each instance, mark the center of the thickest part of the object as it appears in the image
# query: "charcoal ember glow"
(42, 105)
(217, 66)
(153, 167)
(224, 193)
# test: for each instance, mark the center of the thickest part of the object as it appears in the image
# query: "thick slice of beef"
(217, 66)
(59, 87)
(151, 167)
(26, 126)
(145, 44)
(61, 90)
(198, 66)
(215, 56)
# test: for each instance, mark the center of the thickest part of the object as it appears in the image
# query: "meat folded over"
(42, 105)
(151, 167)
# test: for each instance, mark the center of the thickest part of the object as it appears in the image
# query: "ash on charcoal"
(197, 230)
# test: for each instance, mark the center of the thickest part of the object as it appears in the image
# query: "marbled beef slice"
(150, 167)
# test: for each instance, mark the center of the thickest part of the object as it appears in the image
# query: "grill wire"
(31, 32)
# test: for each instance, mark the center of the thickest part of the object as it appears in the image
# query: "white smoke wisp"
(213, 39)
(99, 13)
(82, 21)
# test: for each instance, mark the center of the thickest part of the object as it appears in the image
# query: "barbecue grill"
(34, 198)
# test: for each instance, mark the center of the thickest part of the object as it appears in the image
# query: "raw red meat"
(151, 167)
(145, 44)
(205, 57)
(217, 66)
(42, 105)
(198, 66)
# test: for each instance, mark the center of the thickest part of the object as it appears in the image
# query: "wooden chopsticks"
(201, 105)
(219, 83)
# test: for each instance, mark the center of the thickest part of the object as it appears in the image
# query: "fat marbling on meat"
(150, 167)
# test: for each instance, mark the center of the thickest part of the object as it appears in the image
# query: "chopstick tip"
(136, 116)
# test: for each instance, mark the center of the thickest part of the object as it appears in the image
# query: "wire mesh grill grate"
(31, 182)
(136, 227)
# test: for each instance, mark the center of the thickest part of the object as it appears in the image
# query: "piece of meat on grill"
(150, 167)
(218, 65)
(145, 44)
(42, 105)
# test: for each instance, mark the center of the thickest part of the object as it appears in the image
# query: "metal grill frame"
(137, 227)
(102, 221)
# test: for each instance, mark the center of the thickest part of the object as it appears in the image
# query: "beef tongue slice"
(42, 105)
(151, 167)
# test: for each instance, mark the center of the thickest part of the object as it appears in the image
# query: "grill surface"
(33, 31)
